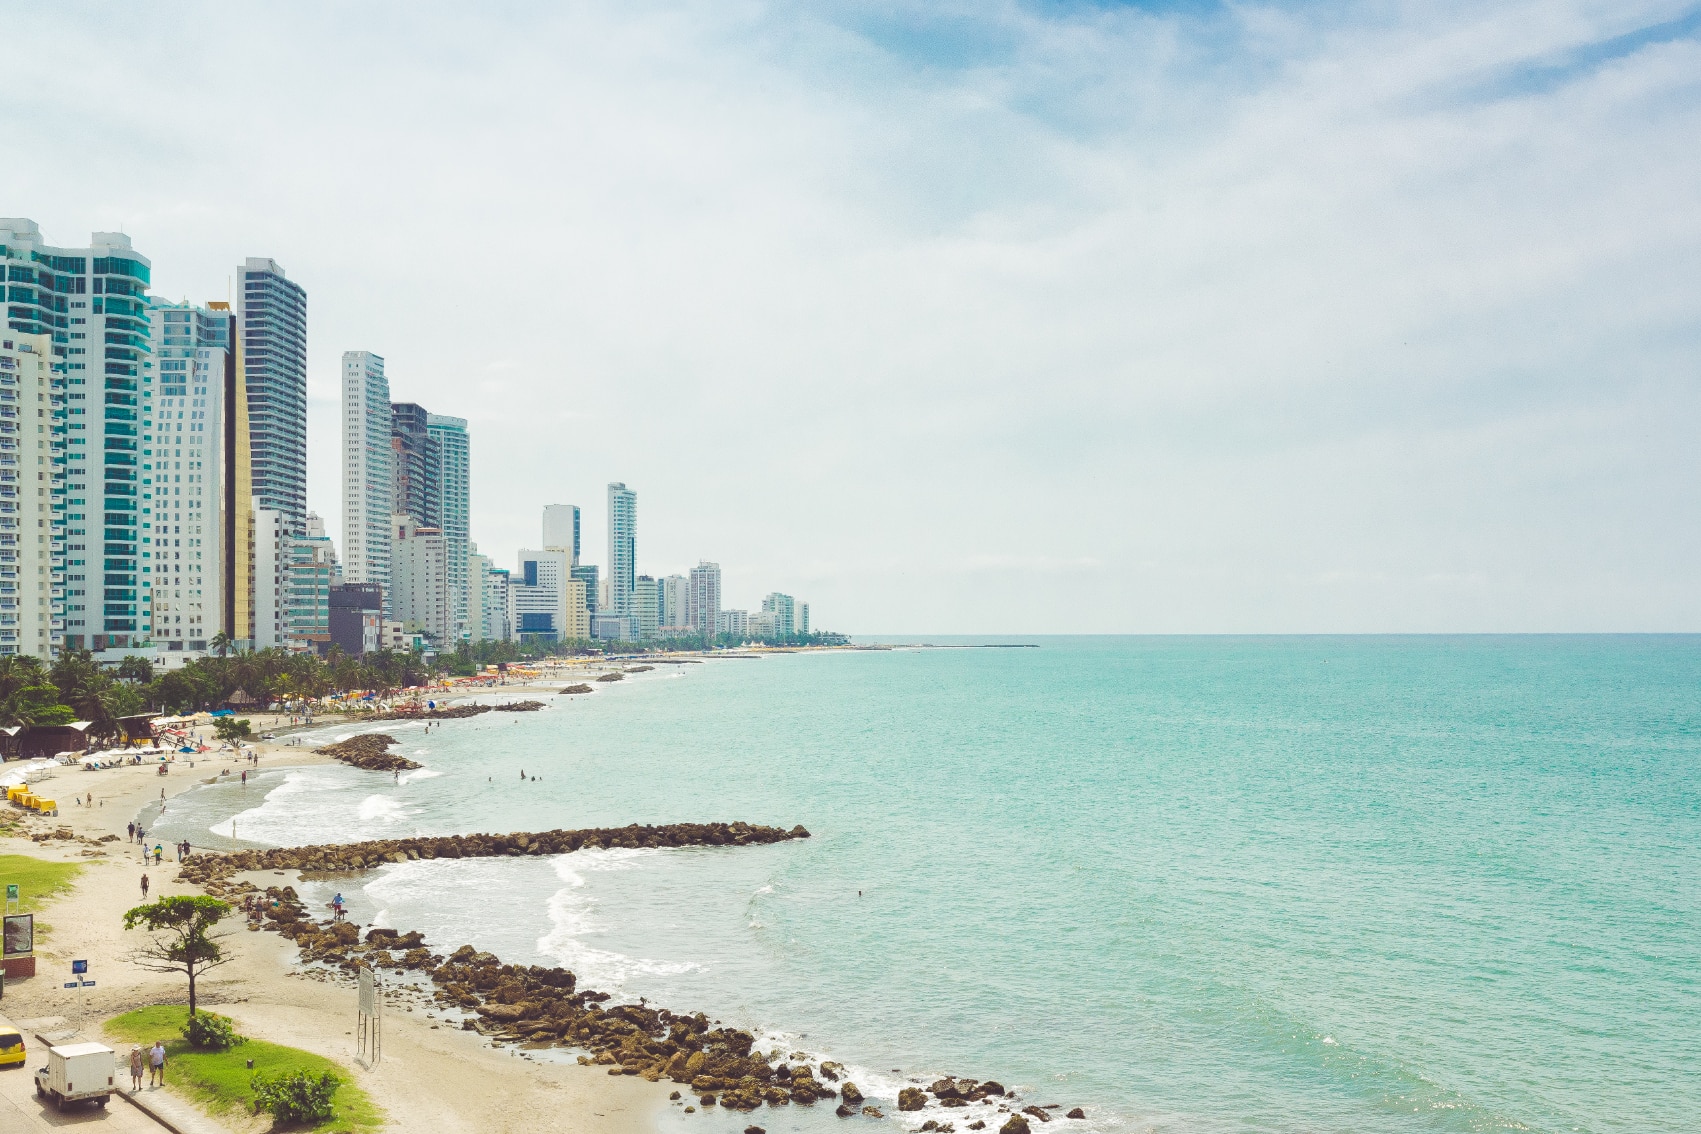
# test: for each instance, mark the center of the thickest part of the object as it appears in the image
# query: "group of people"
(154, 1058)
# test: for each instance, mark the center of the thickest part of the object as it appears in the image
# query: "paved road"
(21, 1111)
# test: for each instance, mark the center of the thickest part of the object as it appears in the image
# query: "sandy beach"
(432, 1077)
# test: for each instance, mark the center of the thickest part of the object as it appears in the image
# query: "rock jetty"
(369, 750)
(447, 713)
(616, 676)
(517, 707)
(580, 688)
(536, 1005)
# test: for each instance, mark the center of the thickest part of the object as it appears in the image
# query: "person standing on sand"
(144, 887)
(131, 836)
(156, 1063)
(135, 1067)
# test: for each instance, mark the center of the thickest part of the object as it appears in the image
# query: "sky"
(966, 318)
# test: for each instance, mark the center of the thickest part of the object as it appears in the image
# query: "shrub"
(298, 1097)
(215, 1033)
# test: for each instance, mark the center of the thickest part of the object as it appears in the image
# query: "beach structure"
(31, 471)
(194, 349)
(368, 477)
(271, 315)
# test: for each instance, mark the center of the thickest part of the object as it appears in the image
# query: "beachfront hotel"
(30, 598)
(622, 548)
(368, 480)
(184, 506)
(272, 316)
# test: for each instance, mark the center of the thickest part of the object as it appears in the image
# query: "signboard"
(19, 935)
(78, 968)
(368, 994)
(11, 891)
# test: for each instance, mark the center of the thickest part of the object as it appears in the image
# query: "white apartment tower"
(368, 475)
(561, 530)
(419, 575)
(671, 601)
(453, 491)
(622, 548)
(703, 598)
(192, 350)
(30, 598)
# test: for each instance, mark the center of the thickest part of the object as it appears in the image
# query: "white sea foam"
(573, 916)
(419, 774)
(380, 808)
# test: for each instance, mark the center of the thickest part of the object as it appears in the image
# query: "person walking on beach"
(135, 1067)
(131, 833)
(144, 887)
(159, 853)
(156, 1063)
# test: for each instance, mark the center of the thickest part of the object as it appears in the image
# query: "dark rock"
(844, 1110)
(850, 1092)
(1016, 1125)
(754, 1130)
(873, 1112)
(611, 677)
(1037, 1113)
(911, 1098)
(1076, 1113)
(991, 1087)
(369, 750)
(581, 688)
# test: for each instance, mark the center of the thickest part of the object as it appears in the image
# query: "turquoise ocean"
(1218, 885)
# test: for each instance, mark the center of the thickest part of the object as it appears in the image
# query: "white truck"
(77, 1072)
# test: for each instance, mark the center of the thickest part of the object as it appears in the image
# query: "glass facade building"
(272, 315)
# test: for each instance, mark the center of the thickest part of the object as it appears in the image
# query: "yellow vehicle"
(11, 1044)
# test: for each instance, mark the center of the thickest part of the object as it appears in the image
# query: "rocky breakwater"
(518, 707)
(579, 688)
(535, 1005)
(369, 750)
(447, 713)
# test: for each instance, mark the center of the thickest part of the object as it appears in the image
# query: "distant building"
(452, 504)
(784, 611)
(368, 471)
(487, 591)
(31, 609)
(577, 627)
(646, 609)
(537, 596)
(587, 574)
(417, 458)
(703, 598)
(310, 572)
(622, 547)
(612, 628)
(671, 601)
(733, 622)
(356, 617)
(419, 581)
(803, 618)
(271, 550)
(271, 314)
(561, 530)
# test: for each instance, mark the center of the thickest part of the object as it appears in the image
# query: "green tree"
(221, 644)
(229, 728)
(183, 939)
(136, 668)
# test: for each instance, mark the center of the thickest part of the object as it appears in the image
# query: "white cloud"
(930, 311)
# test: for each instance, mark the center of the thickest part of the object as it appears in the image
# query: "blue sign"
(88, 984)
(79, 967)
(70, 984)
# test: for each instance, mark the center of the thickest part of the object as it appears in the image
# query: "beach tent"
(241, 699)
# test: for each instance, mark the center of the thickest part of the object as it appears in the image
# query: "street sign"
(88, 984)
(70, 984)
(11, 891)
(79, 967)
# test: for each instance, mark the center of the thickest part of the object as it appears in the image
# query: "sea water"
(1415, 885)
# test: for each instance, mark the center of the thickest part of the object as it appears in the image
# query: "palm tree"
(221, 644)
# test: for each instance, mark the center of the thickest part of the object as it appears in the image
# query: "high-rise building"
(92, 299)
(577, 627)
(587, 575)
(733, 622)
(31, 598)
(419, 581)
(272, 315)
(561, 530)
(703, 598)
(672, 599)
(803, 618)
(453, 506)
(622, 547)
(646, 608)
(310, 571)
(417, 461)
(537, 596)
(784, 610)
(357, 618)
(184, 509)
(271, 574)
(368, 475)
(487, 610)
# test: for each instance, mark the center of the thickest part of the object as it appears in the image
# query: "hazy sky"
(967, 317)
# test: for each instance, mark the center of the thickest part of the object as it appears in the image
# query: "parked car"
(11, 1044)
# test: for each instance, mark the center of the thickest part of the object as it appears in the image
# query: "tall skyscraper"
(31, 603)
(417, 461)
(646, 608)
(589, 577)
(419, 576)
(185, 508)
(784, 611)
(673, 592)
(78, 297)
(453, 505)
(561, 530)
(622, 547)
(368, 476)
(703, 597)
(272, 314)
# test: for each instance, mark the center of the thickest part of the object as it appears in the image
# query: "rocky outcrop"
(369, 750)
(611, 677)
(580, 688)
(1016, 1125)
(1076, 1113)
(518, 707)
(446, 713)
(911, 1098)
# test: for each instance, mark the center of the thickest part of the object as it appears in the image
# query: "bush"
(215, 1033)
(300, 1097)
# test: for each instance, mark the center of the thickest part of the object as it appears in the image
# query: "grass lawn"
(38, 881)
(218, 1080)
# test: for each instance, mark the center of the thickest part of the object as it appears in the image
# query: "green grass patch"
(218, 1080)
(38, 881)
